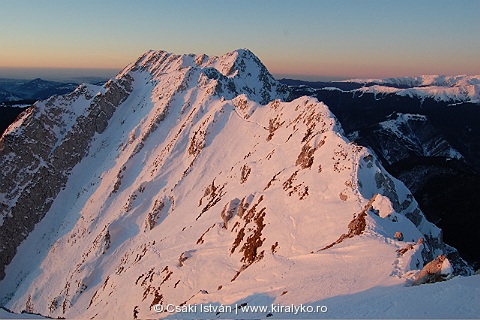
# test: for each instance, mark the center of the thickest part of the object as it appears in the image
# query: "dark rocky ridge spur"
(16, 95)
(192, 179)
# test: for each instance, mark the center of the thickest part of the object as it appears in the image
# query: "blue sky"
(303, 38)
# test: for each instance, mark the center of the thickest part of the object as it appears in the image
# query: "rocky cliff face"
(39, 151)
(191, 179)
(402, 136)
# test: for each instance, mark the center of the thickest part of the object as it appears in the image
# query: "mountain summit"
(192, 180)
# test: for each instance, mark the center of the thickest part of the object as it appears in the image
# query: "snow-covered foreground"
(454, 299)
(206, 189)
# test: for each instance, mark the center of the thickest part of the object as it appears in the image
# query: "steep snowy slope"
(38, 152)
(199, 185)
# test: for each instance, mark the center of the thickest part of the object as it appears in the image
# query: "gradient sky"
(313, 39)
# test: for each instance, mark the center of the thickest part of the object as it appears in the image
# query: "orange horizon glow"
(317, 71)
(338, 39)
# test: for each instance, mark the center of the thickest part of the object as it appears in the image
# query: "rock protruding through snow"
(436, 270)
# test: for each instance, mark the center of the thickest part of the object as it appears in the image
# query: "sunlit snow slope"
(202, 185)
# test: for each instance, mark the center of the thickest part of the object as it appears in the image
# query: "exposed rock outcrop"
(436, 270)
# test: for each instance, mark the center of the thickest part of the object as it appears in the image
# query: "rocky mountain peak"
(191, 179)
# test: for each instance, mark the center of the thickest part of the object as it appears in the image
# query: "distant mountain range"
(14, 90)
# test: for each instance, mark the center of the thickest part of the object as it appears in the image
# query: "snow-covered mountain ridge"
(192, 179)
(41, 148)
(430, 145)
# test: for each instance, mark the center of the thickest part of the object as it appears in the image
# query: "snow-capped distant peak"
(440, 88)
(423, 80)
